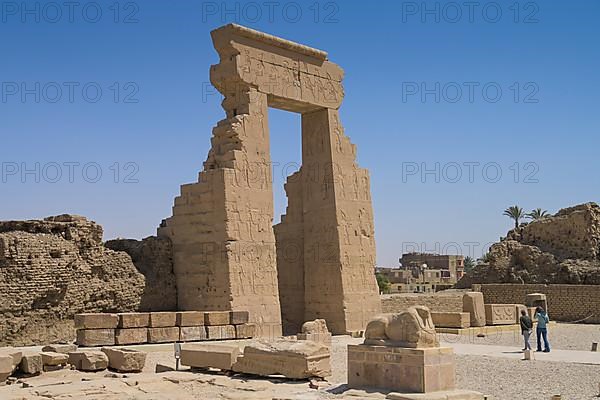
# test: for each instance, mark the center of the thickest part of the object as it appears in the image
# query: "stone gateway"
(319, 261)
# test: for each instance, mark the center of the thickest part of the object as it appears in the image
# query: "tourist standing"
(542, 330)
(526, 326)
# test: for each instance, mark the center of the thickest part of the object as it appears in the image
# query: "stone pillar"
(221, 228)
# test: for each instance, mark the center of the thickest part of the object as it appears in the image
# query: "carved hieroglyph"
(319, 260)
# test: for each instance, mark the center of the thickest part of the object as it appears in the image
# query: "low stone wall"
(446, 301)
(566, 303)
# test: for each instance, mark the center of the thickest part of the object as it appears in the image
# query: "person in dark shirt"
(526, 326)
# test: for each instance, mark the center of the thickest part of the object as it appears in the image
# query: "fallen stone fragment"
(52, 359)
(125, 360)
(32, 364)
(88, 360)
(60, 348)
(210, 356)
(292, 359)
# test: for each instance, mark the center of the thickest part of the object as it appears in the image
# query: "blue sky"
(435, 91)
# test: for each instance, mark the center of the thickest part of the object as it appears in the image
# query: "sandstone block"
(216, 318)
(131, 336)
(536, 300)
(163, 319)
(190, 318)
(10, 358)
(245, 331)
(32, 364)
(316, 326)
(96, 321)
(53, 359)
(292, 359)
(210, 356)
(163, 335)
(88, 360)
(220, 332)
(133, 320)
(500, 314)
(451, 319)
(238, 317)
(95, 337)
(125, 360)
(324, 338)
(474, 305)
(192, 333)
(401, 369)
(60, 348)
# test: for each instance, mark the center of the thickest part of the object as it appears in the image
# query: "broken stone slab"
(457, 394)
(451, 319)
(324, 338)
(163, 319)
(125, 360)
(96, 321)
(473, 304)
(133, 320)
(131, 336)
(10, 358)
(192, 333)
(190, 318)
(163, 335)
(210, 356)
(221, 332)
(245, 331)
(31, 364)
(290, 358)
(86, 360)
(95, 337)
(52, 359)
(216, 318)
(60, 348)
(239, 317)
(500, 314)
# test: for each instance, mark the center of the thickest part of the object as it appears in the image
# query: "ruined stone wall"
(566, 303)
(54, 268)
(450, 301)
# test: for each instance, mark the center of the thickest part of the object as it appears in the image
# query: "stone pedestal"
(473, 304)
(536, 300)
(401, 369)
(451, 319)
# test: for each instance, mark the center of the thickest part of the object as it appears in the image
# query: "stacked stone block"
(103, 329)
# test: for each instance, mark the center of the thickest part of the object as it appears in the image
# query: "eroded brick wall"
(450, 301)
(566, 303)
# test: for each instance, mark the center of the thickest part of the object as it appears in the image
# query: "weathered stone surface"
(163, 335)
(86, 360)
(245, 331)
(292, 359)
(332, 223)
(125, 360)
(68, 271)
(60, 348)
(133, 320)
(53, 359)
(403, 369)
(95, 337)
(239, 317)
(323, 338)
(411, 328)
(316, 331)
(536, 300)
(190, 318)
(131, 336)
(192, 333)
(162, 319)
(221, 332)
(216, 318)
(563, 248)
(500, 314)
(210, 356)
(451, 320)
(457, 394)
(31, 364)
(10, 358)
(474, 305)
(96, 321)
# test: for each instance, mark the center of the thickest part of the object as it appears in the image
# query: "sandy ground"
(561, 336)
(504, 379)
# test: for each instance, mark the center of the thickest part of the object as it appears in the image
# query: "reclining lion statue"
(411, 328)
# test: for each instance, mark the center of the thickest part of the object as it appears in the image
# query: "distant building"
(424, 273)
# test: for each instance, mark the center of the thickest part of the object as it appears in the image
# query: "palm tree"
(537, 214)
(514, 212)
(469, 264)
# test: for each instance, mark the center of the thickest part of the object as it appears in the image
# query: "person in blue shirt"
(542, 330)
